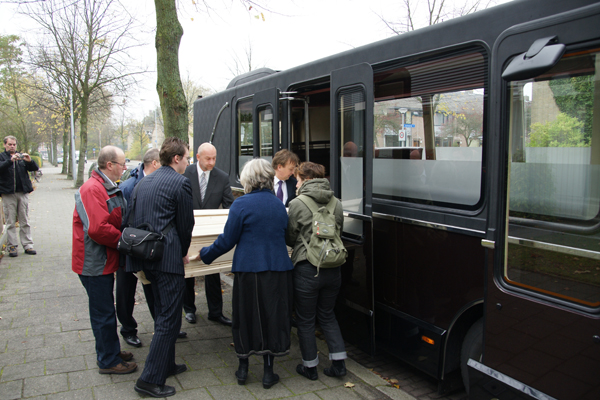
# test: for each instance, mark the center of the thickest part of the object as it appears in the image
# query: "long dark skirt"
(262, 309)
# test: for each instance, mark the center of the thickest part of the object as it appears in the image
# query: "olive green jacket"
(300, 217)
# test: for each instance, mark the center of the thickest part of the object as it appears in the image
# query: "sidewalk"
(47, 346)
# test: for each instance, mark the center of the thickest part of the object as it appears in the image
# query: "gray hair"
(257, 174)
(151, 155)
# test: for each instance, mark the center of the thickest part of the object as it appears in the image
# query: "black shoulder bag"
(142, 242)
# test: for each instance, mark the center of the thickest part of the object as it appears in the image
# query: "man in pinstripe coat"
(164, 199)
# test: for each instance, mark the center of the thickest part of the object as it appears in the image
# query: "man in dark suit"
(127, 281)
(217, 192)
(164, 201)
(284, 163)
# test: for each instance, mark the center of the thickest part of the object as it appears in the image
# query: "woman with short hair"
(262, 289)
(315, 289)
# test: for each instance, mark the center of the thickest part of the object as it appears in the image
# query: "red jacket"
(97, 227)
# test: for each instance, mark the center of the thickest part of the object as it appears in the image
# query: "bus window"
(553, 243)
(265, 115)
(428, 130)
(245, 132)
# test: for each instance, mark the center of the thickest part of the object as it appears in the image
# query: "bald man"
(210, 190)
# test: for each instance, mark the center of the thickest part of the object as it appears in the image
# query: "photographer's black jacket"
(7, 173)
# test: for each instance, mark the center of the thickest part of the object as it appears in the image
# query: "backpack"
(325, 249)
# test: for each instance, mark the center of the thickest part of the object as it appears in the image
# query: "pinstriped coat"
(162, 197)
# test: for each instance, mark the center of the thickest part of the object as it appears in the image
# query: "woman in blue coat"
(262, 289)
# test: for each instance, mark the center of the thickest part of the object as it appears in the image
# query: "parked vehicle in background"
(467, 159)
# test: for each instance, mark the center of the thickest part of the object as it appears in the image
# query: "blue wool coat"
(256, 224)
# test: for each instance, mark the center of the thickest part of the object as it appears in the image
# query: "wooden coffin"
(209, 224)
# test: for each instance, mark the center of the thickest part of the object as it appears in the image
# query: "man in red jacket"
(99, 205)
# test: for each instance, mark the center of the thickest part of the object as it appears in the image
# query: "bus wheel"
(472, 347)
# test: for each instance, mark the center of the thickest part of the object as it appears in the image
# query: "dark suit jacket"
(291, 189)
(218, 190)
(162, 197)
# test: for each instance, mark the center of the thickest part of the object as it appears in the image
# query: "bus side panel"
(206, 112)
(424, 276)
(544, 347)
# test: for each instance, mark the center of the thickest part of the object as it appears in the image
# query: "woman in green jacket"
(315, 290)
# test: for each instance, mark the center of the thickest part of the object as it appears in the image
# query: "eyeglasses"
(124, 165)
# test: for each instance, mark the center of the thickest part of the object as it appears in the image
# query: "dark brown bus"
(467, 158)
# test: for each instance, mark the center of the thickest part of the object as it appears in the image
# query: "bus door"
(541, 336)
(265, 109)
(351, 116)
(257, 127)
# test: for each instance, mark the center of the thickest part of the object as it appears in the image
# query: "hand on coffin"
(197, 258)
(186, 260)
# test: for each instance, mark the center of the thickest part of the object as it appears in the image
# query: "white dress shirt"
(283, 188)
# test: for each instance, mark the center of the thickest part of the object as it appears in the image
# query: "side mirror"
(541, 57)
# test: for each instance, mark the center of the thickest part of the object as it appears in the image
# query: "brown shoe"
(126, 355)
(123, 368)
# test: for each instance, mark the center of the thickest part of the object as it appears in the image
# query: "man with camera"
(15, 186)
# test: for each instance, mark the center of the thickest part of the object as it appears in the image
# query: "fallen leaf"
(394, 381)
(231, 344)
(348, 385)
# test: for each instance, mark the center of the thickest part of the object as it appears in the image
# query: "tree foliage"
(575, 97)
(564, 131)
(88, 47)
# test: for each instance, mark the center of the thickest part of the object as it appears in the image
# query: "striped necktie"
(203, 185)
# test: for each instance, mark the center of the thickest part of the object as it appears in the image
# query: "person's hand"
(26, 157)
(186, 260)
(197, 258)
(15, 157)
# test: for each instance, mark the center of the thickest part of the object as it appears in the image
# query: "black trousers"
(214, 295)
(168, 294)
(125, 299)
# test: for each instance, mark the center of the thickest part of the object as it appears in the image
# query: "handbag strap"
(164, 232)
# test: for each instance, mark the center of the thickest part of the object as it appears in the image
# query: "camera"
(19, 156)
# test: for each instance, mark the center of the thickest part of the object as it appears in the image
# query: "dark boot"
(242, 373)
(338, 368)
(308, 372)
(269, 378)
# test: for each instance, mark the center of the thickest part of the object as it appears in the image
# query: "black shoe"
(154, 390)
(308, 372)
(242, 373)
(190, 318)
(30, 252)
(221, 319)
(338, 368)
(179, 368)
(133, 341)
(181, 335)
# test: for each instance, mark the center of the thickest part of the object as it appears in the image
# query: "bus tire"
(472, 347)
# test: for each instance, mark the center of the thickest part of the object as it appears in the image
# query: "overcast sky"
(298, 32)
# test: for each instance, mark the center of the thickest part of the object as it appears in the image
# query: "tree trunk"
(66, 141)
(170, 90)
(83, 128)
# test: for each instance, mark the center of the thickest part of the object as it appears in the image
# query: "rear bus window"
(553, 240)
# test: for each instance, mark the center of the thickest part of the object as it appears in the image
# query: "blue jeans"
(314, 298)
(103, 318)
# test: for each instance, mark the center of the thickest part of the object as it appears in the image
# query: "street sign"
(409, 125)
(402, 134)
